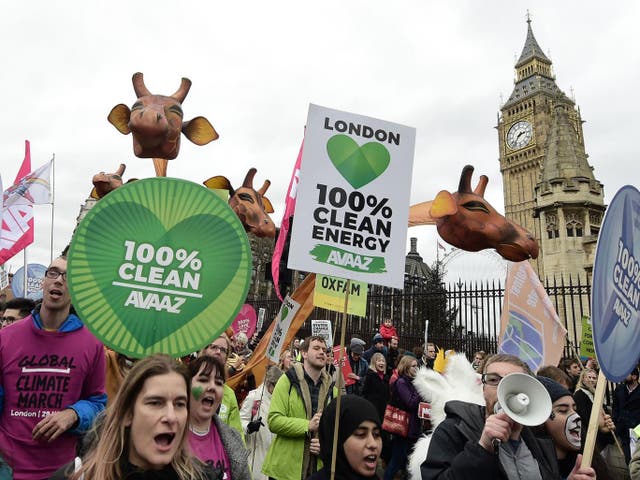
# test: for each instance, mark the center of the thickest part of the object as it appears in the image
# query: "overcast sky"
(441, 67)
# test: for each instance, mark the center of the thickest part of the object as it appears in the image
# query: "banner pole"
(25, 270)
(590, 441)
(53, 204)
(336, 425)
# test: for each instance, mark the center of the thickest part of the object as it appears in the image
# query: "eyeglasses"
(218, 348)
(8, 319)
(53, 274)
(491, 379)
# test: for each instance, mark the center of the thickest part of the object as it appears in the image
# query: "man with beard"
(392, 355)
(297, 402)
(463, 445)
(52, 382)
(626, 409)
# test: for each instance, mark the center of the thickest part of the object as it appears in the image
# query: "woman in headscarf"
(359, 441)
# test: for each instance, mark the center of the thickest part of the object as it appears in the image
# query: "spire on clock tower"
(534, 73)
(549, 186)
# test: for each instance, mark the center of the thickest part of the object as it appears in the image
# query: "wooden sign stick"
(343, 330)
(590, 441)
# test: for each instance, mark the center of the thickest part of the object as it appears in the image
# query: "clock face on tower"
(519, 135)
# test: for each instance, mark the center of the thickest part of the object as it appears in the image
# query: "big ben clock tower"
(549, 187)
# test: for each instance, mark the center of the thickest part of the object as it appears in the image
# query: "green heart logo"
(285, 312)
(358, 165)
(159, 265)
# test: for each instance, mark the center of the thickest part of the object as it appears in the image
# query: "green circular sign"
(159, 265)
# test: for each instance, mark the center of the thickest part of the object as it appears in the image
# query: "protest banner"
(587, 349)
(615, 300)
(424, 411)
(353, 198)
(245, 321)
(341, 362)
(330, 293)
(261, 313)
(159, 265)
(529, 326)
(35, 275)
(288, 310)
(17, 222)
(352, 204)
(323, 328)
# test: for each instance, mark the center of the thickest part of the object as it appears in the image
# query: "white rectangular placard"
(353, 198)
(323, 329)
(288, 310)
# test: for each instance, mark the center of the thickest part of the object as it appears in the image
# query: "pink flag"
(290, 206)
(529, 327)
(17, 220)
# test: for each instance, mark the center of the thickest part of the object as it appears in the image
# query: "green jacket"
(288, 457)
(229, 412)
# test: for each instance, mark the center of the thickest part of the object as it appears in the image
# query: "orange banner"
(529, 327)
(258, 362)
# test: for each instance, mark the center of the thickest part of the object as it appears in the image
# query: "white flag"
(32, 189)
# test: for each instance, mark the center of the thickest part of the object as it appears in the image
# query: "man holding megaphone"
(474, 442)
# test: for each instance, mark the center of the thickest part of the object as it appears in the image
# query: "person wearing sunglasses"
(464, 446)
(52, 382)
(229, 412)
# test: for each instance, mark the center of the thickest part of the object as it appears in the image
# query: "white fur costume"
(459, 382)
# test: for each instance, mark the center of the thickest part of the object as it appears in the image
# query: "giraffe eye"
(476, 206)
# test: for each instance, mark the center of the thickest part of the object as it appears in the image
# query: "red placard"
(346, 366)
(245, 321)
(424, 411)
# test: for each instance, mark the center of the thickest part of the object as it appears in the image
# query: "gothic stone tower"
(549, 186)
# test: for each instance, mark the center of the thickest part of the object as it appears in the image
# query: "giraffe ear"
(443, 205)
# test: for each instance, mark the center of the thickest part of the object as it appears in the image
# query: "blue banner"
(35, 275)
(615, 301)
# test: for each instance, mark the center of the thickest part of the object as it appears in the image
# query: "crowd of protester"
(179, 419)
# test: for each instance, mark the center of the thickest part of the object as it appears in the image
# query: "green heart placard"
(159, 265)
(359, 165)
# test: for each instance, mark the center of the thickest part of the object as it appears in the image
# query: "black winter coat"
(454, 451)
(376, 390)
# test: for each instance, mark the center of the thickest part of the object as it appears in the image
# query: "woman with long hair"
(376, 390)
(404, 396)
(143, 433)
(286, 360)
(359, 441)
(376, 383)
(211, 440)
(583, 396)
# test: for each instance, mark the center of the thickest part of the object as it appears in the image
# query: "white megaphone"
(524, 399)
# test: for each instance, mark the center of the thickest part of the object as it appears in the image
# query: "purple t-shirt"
(210, 449)
(42, 373)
